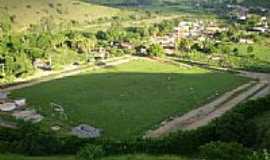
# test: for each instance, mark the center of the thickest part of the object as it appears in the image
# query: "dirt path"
(206, 113)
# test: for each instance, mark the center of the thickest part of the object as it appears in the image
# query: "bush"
(224, 151)
(250, 49)
(156, 50)
(264, 155)
(91, 152)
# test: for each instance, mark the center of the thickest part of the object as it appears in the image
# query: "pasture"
(129, 99)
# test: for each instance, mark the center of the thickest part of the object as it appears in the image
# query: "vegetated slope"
(19, 157)
(256, 3)
(125, 2)
(250, 3)
(25, 12)
(127, 157)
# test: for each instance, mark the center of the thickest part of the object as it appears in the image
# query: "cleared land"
(129, 99)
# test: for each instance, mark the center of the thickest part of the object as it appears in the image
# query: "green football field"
(129, 99)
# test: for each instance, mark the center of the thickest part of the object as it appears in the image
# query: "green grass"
(261, 49)
(129, 99)
(127, 157)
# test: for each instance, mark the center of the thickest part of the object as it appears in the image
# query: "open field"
(261, 50)
(135, 96)
(128, 157)
(258, 60)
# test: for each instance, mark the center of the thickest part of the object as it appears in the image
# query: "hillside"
(257, 3)
(125, 2)
(26, 12)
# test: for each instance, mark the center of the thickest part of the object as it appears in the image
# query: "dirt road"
(206, 113)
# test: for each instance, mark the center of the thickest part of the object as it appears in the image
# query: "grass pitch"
(129, 99)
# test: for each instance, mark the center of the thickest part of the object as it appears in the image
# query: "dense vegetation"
(56, 48)
(125, 157)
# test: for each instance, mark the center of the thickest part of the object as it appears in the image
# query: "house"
(240, 12)
(126, 45)
(165, 41)
(187, 29)
(100, 54)
(41, 64)
(141, 50)
(260, 29)
(169, 51)
(246, 41)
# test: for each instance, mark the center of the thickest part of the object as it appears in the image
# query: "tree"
(102, 35)
(91, 152)
(225, 49)
(156, 50)
(250, 49)
(153, 31)
(184, 45)
(208, 47)
(224, 151)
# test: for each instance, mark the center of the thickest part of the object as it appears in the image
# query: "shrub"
(250, 49)
(264, 155)
(117, 52)
(51, 5)
(91, 152)
(156, 50)
(224, 151)
(28, 6)
(102, 35)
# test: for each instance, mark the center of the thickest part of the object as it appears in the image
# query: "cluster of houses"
(196, 30)
(243, 13)
(200, 31)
